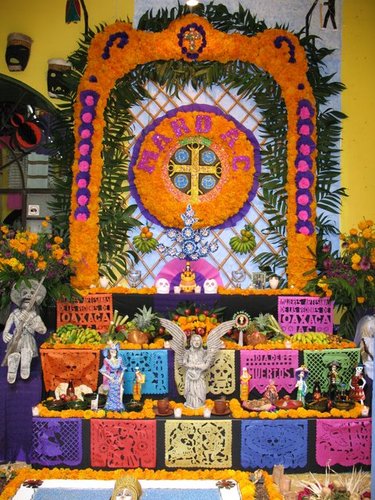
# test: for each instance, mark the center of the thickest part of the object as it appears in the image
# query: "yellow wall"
(358, 102)
(44, 21)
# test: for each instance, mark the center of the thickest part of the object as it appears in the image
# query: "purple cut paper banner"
(305, 314)
(57, 441)
(278, 365)
(343, 442)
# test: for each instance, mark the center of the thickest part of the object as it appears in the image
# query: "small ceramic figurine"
(196, 360)
(139, 380)
(271, 393)
(187, 283)
(244, 387)
(317, 391)
(301, 374)
(334, 379)
(20, 328)
(113, 374)
(357, 385)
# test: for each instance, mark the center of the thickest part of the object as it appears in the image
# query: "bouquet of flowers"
(25, 255)
(348, 278)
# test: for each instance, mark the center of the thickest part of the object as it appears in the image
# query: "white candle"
(207, 412)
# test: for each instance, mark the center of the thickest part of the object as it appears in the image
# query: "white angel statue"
(196, 360)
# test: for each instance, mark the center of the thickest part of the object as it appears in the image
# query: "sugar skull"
(210, 286)
(162, 285)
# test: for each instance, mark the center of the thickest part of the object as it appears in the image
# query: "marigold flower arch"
(118, 49)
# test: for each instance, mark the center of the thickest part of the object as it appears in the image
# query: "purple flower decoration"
(195, 35)
(122, 38)
(82, 214)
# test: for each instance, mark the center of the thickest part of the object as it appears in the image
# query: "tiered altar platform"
(299, 439)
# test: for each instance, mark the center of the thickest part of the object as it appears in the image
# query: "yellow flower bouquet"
(348, 278)
(25, 256)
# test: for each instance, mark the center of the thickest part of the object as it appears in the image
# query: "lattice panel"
(244, 111)
(317, 362)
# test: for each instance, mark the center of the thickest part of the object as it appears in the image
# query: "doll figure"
(139, 380)
(113, 375)
(301, 374)
(357, 385)
(271, 393)
(20, 329)
(244, 387)
(334, 379)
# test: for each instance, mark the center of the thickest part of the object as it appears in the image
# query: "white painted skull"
(162, 285)
(210, 286)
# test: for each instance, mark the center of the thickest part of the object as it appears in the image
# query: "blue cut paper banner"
(153, 363)
(265, 443)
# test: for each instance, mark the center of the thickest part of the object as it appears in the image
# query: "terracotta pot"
(138, 337)
(254, 338)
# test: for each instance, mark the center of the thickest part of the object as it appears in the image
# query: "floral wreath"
(230, 142)
(119, 49)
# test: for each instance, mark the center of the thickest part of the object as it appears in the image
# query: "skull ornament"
(210, 286)
(162, 285)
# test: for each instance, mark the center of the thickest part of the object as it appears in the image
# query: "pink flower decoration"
(305, 149)
(304, 183)
(87, 117)
(83, 166)
(303, 230)
(82, 200)
(84, 149)
(303, 166)
(305, 112)
(82, 183)
(304, 130)
(85, 134)
(303, 215)
(303, 199)
(81, 217)
(89, 100)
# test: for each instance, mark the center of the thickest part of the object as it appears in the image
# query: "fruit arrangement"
(194, 319)
(246, 242)
(73, 334)
(311, 338)
(117, 329)
(145, 241)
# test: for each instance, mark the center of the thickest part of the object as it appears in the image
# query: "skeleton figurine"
(22, 323)
(196, 360)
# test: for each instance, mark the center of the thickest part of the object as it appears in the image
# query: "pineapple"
(146, 324)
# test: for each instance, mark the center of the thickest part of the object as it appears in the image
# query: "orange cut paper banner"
(62, 365)
(95, 311)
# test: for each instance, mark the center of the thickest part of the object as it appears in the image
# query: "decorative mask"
(210, 286)
(162, 285)
(18, 51)
(57, 70)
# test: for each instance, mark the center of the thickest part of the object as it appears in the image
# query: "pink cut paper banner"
(343, 442)
(305, 314)
(266, 365)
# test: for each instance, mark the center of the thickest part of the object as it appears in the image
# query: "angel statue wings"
(196, 359)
